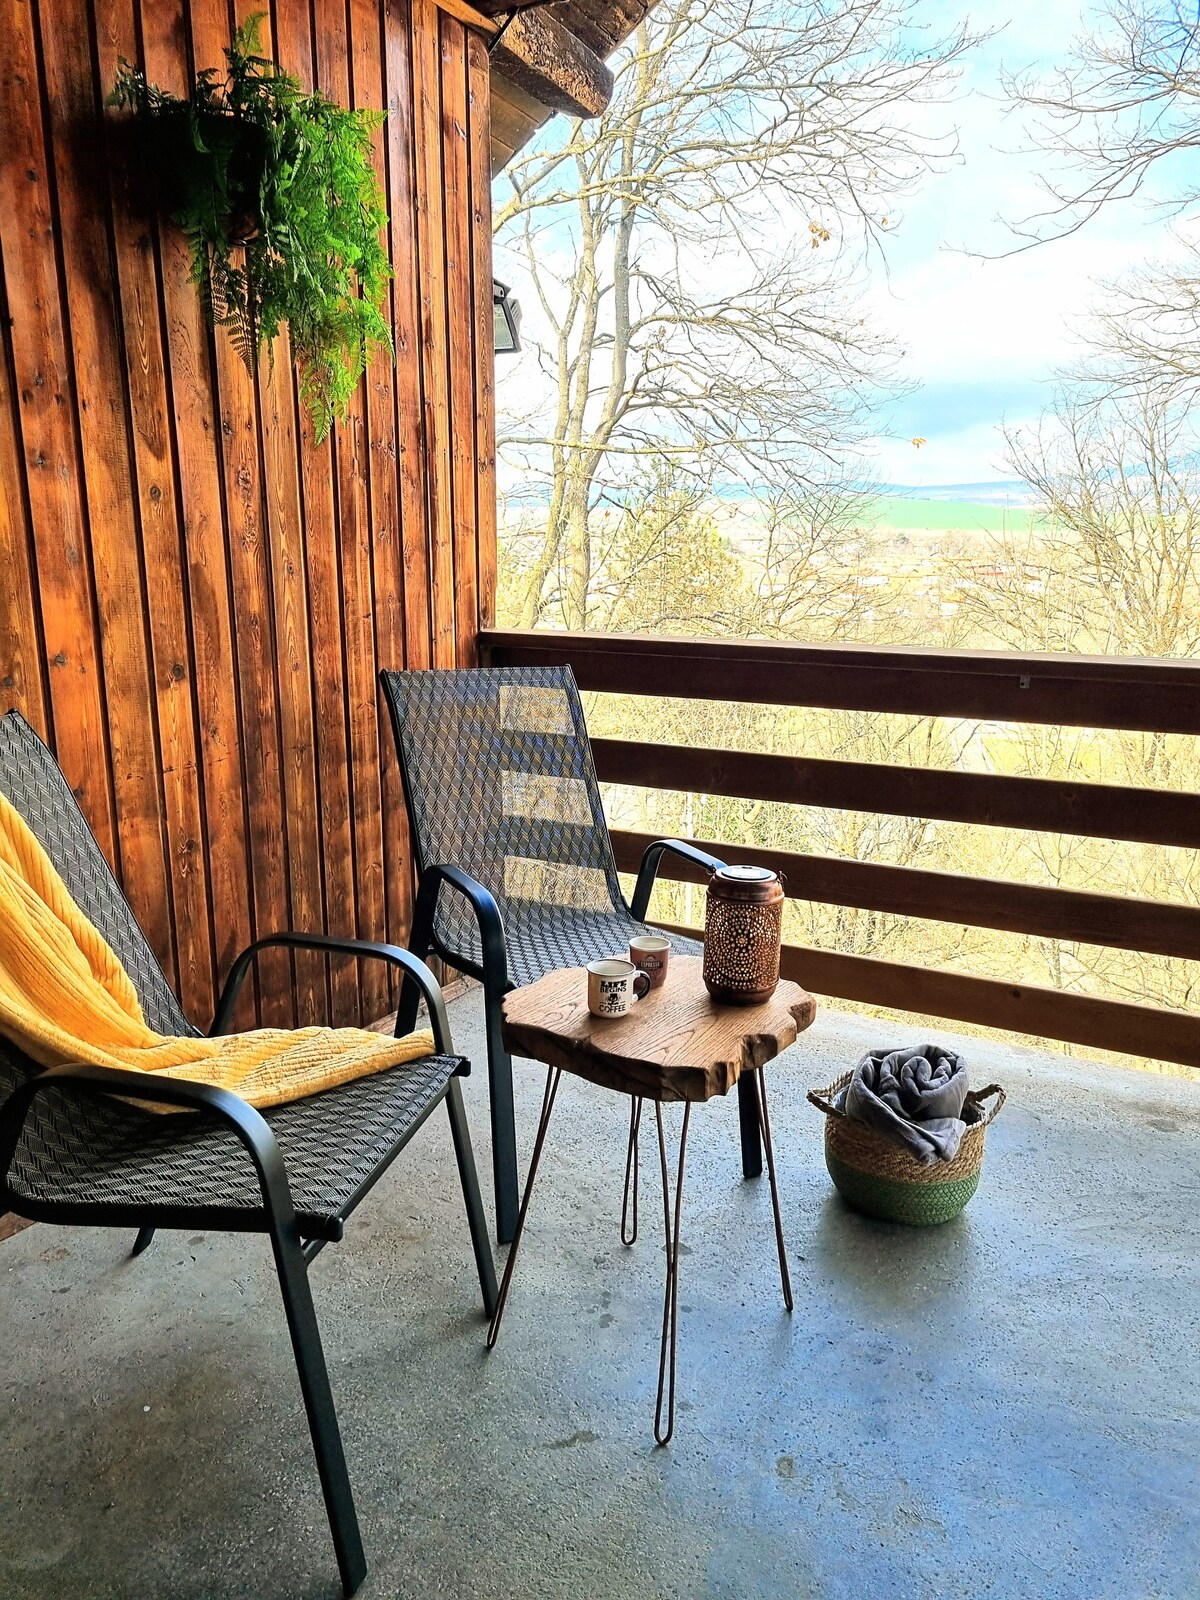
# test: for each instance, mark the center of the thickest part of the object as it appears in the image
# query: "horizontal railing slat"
(1107, 811)
(1144, 694)
(1078, 1019)
(1115, 921)
(1132, 694)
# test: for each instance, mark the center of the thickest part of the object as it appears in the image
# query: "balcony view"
(599, 800)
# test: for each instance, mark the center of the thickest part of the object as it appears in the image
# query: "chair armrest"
(329, 944)
(487, 915)
(250, 1127)
(648, 870)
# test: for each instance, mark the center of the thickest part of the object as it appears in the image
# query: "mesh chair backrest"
(499, 780)
(32, 782)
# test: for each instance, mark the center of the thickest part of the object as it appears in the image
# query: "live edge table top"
(676, 1044)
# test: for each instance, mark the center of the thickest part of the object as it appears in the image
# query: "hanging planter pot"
(276, 193)
(203, 166)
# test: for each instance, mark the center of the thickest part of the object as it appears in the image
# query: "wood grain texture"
(90, 294)
(459, 321)
(210, 654)
(925, 992)
(159, 529)
(676, 1044)
(431, 200)
(1118, 922)
(40, 361)
(354, 515)
(1095, 810)
(553, 66)
(478, 123)
(197, 596)
(387, 556)
(22, 659)
(1151, 695)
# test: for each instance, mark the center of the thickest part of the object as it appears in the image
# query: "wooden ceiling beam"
(550, 63)
(473, 18)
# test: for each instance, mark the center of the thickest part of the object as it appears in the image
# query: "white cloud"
(960, 320)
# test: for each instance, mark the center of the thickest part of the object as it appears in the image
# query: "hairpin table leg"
(670, 1327)
(629, 1233)
(552, 1077)
(764, 1126)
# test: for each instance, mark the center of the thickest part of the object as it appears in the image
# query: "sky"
(982, 330)
(982, 333)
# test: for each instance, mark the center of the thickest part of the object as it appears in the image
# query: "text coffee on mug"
(613, 986)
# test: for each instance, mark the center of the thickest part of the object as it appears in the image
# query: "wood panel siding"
(197, 596)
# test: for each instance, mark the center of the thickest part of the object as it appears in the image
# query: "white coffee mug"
(613, 986)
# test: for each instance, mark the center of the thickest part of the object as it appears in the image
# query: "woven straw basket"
(885, 1180)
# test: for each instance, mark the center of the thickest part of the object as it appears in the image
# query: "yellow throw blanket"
(65, 998)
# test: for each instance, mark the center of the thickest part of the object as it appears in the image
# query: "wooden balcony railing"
(1070, 691)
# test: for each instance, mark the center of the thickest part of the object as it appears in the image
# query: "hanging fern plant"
(275, 192)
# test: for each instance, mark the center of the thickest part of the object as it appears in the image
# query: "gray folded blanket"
(917, 1098)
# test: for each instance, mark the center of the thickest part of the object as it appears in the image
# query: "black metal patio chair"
(514, 859)
(72, 1153)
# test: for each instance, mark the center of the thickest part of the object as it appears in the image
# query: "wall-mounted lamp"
(507, 312)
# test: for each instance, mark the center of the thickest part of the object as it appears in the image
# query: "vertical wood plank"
(430, 215)
(49, 442)
(460, 318)
(351, 451)
(153, 493)
(78, 147)
(254, 634)
(384, 471)
(285, 548)
(22, 680)
(190, 386)
(479, 91)
(294, 43)
(410, 422)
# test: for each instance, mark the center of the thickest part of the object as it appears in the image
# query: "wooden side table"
(676, 1044)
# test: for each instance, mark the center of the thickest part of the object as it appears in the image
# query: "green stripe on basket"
(919, 1204)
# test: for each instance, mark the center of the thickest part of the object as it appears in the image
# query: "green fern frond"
(277, 197)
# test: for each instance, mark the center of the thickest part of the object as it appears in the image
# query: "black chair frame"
(277, 1218)
(493, 971)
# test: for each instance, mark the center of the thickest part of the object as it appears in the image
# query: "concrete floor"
(1006, 1406)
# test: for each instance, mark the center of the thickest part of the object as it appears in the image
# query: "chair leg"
(504, 1127)
(142, 1241)
(318, 1404)
(460, 1132)
(752, 1161)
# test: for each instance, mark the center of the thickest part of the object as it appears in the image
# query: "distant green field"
(945, 516)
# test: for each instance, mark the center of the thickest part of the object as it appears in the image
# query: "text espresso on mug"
(613, 986)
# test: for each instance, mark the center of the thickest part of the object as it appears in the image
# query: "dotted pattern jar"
(743, 925)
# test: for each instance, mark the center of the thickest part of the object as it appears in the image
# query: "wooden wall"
(195, 598)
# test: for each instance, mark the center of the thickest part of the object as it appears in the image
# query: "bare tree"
(680, 329)
(1111, 565)
(1127, 101)
(1125, 109)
